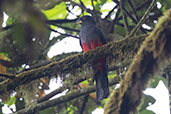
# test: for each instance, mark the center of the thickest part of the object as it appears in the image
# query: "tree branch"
(64, 34)
(133, 9)
(130, 16)
(92, 3)
(62, 99)
(121, 4)
(7, 63)
(117, 50)
(152, 57)
(84, 104)
(110, 12)
(82, 7)
(60, 21)
(8, 76)
(57, 91)
(64, 87)
(67, 28)
(137, 27)
(115, 20)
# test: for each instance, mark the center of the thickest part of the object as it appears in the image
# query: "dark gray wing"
(80, 42)
(101, 35)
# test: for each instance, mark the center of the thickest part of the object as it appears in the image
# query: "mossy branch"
(120, 50)
(153, 56)
(62, 99)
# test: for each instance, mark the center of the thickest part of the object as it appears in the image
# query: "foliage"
(25, 42)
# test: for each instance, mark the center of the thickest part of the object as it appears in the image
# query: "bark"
(153, 56)
(115, 51)
(62, 99)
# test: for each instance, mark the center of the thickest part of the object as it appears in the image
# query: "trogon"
(91, 36)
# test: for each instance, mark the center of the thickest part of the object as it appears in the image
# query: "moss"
(154, 54)
(28, 92)
(116, 50)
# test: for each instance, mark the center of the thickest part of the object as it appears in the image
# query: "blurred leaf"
(10, 21)
(43, 4)
(58, 12)
(50, 110)
(154, 82)
(120, 30)
(1, 105)
(18, 34)
(11, 101)
(166, 4)
(146, 101)
(99, 4)
(1, 17)
(147, 112)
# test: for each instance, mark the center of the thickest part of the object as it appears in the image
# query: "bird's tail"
(102, 84)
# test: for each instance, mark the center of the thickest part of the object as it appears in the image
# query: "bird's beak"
(79, 22)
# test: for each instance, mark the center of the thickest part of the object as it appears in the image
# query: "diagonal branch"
(62, 99)
(129, 15)
(153, 56)
(133, 9)
(59, 90)
(137, 27)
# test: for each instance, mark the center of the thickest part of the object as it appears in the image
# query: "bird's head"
(86, 20)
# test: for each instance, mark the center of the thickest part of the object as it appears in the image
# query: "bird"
(91, 37)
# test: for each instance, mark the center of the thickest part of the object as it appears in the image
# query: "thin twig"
(115, 20)
(57, 91)
(133, 9)
(130, 16)
(7, 63)
(82, 7)
(143, 5)
(64, 34)
(110, 12)
(124, 17)
(10, 76)
(67, 28)
(84, 104)
(137, 27)
(92, 3)
(59, 21)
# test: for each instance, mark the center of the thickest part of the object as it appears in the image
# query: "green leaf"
(50, 110)
(147, 112)
(11, 101)
(99, 4)
(58, 12)
(1, 105)
(120, 30)
(18, 34)
(147, 99)
(165, 3)
(154, 82)
(10, 21)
